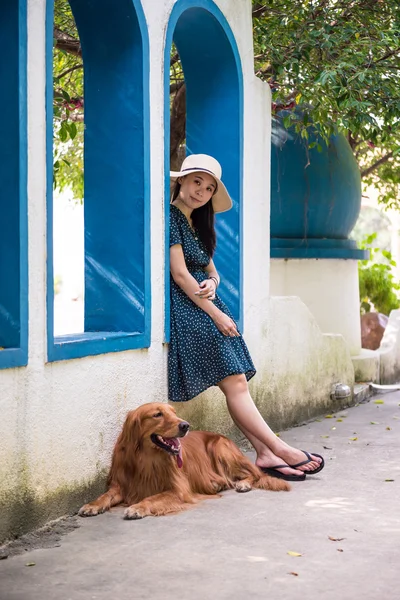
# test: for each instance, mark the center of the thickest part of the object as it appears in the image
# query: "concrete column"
(328, 287)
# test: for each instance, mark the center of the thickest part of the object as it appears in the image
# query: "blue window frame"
(116, 181)
(214, 125)
(13, 189)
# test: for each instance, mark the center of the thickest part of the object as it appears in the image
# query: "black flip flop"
(272, 471)
(309, 459)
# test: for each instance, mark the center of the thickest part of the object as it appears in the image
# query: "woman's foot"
(290, 456)
(270, 460)
(293, 456)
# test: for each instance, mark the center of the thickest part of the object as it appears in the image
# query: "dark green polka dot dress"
(199, 356)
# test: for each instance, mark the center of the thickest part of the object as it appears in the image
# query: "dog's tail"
(230, 463)
(266, 482)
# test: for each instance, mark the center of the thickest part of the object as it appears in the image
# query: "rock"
(373, 326)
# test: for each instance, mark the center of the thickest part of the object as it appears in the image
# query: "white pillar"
(328, 287)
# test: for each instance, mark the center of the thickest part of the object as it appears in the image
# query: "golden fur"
(148, 479)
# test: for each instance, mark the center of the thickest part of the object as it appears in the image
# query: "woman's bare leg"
(265, 457)
(270, 449)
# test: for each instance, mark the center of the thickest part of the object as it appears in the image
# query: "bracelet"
(215, 280)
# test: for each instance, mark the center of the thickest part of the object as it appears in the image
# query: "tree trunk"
(178, 129)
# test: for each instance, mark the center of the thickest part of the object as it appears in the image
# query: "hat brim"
(221, 200)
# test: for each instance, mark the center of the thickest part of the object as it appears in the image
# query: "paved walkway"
(344, 523)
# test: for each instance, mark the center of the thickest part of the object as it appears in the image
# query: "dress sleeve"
(175, 235)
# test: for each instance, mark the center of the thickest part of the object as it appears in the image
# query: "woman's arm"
(189, 285)
(187, 282)
(212, 273)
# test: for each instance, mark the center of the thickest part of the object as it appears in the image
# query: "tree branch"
(64, 41)
(378, 163)
(174, 59)
(259, 10)
(175, 87)
(67, 71)
(387, 55)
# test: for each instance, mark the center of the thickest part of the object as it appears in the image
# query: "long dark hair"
(203, 219)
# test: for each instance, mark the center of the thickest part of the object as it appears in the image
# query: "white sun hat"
(197, 163)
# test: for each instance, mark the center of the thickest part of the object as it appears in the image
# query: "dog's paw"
(134, 512)
(243, 486)
(218, 486)
(89, 510)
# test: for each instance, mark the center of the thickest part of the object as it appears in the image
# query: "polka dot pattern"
(199, 355)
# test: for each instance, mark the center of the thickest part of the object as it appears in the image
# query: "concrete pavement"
(344, 522)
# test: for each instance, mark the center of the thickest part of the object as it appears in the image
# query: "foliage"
(373, 219)
(341, 60)
(378, 288)
(68, 102)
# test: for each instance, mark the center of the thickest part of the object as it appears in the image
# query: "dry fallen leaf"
(354, 439)
(291, 553)
(31, 564)
(339, 549)
(324, 436)
(336, 539)
(293, 573)
(339, 420)
(326, 448)
(389, 479)
(374, 423)
(379, 402)
(329, 417)
(388, 429)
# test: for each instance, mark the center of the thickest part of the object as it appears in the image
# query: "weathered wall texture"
(296, 367)
(329, 287)
(59, 421)
(381, 365)
(389, 350)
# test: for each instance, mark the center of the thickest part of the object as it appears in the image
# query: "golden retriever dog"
(158, 467)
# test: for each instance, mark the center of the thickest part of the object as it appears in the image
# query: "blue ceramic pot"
(315, 197)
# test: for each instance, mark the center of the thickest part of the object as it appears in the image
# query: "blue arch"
(214, 125)
(115, 50)
(13, 195)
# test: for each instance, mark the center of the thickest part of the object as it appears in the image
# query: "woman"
(206, 347)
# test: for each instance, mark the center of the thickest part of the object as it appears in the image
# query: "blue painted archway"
(115, 51)
(214, 124)
(13, 192)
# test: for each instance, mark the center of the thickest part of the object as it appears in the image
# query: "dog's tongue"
(179, 458)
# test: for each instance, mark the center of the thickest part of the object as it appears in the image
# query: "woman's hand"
(225, 324)
(207, 289)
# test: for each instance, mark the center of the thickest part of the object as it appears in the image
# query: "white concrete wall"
(382, 365)
(297, 366)
(389, 350)
(329, 288)
(59, 421)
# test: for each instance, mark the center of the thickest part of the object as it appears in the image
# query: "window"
(13, 190)
(114, 45)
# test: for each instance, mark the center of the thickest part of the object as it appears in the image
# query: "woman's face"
(196, 189)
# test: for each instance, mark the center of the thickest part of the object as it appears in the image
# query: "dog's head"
(157, 426)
